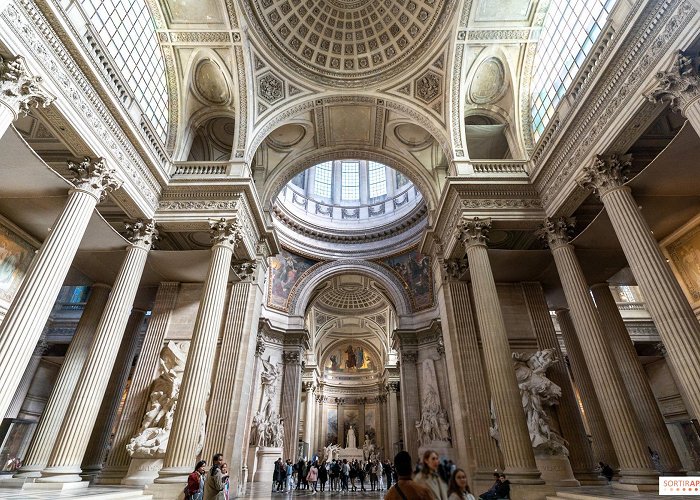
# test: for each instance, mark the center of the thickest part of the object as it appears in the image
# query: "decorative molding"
(94, 177)
(557, 233)
(142, 233)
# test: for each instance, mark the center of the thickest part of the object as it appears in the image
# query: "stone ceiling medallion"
(349, 43)
(270, 87)
(286, 136)
(413, 135)
(428, 86)
(210, 82)
(488, 83)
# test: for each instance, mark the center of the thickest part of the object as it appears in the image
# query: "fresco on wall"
(350, 358)
(286, 269)
(332, 432)
(414, 270)
(15, 257)
(371, 424)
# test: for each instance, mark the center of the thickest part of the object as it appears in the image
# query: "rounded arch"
(303, 292)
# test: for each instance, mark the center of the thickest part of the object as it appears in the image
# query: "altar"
(350, 454)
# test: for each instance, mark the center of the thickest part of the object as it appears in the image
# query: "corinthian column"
(636, 381)
(18, 90)
(635, 465)
(27, 378)
(572, 428)
(410, 399)
(603, 449)
(291, 399)
(186, 437)
(680, 87)
(26, 317)
(514, 442)
(674, 319)
(309, 388)
(393, 416)
(74, 435)
(40, 448)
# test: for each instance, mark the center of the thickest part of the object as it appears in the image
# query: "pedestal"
(350, 454)
(142, 471)
(266, 458)
(556, 470)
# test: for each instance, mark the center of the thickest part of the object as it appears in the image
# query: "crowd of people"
(332, 475)
(208, 485)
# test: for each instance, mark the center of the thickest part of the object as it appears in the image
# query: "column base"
(29, 471)
(523, 476)
(531, 491)
(112, 475)
(164, 491)
(635, 487)
(168, 475)
(590, 478)
(638, 477)
(60, 475)
(55, 486)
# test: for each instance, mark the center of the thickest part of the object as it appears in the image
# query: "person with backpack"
(195, 482)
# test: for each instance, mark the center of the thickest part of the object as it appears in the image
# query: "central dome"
(346, 42)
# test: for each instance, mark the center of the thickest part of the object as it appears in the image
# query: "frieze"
(471, 203)
(198, 205)
(497, 35)
(242, 83)
(200, 37)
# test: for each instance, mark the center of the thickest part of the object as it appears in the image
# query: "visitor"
(372, 469)
(312, 477)
(281, 473)
(406, 488)
(458, 489)
(214, 484)
(361, 476)
(500, 489)
(335, 475)
(300, 473)
(224, 471)
(429, 477)
(606, 471)
(388, 472)
(344, 475)
(195, 482)
(290, 475)
(323, 475)
(380, 475)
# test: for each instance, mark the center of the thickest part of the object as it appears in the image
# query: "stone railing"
(500, 167)
(207, 168)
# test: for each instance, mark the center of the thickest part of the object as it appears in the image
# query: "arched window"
(350, 175)
(127, 31)
(377, 179)
(569, 31)
(322, 182)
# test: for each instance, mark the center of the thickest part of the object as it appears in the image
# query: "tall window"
(322, 182)
(377, 179)
(401, 180)
(350, 181)
(569, 31)
(126, 29)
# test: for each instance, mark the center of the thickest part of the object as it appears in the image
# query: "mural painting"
(414, 270)
(332, 432)
(285, 270)
(371, 423)
(15, 257)
(350, 358)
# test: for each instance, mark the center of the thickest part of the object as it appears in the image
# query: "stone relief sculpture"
(151, 440)
(267, 428)
(433, 424)
(330, 452)
(537, 393)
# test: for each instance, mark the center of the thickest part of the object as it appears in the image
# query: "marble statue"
(351, 441)
(330, 452)
(268, 378)
(151, 439)
(538, 392)
(267, 428)
(433, 424)
(367, 448)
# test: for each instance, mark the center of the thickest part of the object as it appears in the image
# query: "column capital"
(473, 232)
(245, 269)
(455, 268)
(19, 90)
(679, 85)
(142, 233)
(94, 177)
(409, 357)
(556, 233)
(309, 387)
(393, 387)
(226, 232)
(606, 173)
(292, 357)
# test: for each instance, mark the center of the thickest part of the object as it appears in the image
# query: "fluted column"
(635, 379)
(603, 449)
(74, 434)
(393, 409)
(309, 388)
(291, 400)
(470, 399)
(635, 464)
(190, 415)
(674, 319)
(31, 307)
(101, 433)
(514, 442)
(37, 455)
(680, 87)
(410, 400)
(18, 90)
(118, 459)
(29, 372)
(570, 421)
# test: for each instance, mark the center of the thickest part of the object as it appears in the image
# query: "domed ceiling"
(348, 43)
(350, 294)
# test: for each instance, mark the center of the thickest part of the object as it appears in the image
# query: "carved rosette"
(226, 232)
(94, 177)
(605, 174)
(18, 90)
(142, 233)
(245, 270)
(679, 85)
(556, 232)
(455, 268)
(474, 231)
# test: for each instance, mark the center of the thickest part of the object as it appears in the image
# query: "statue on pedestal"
(267, 428)
(433, 424)
(351, 441)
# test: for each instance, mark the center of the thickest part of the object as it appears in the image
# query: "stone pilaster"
(19, 91)
(31, 307)
(74, 434)
(186, 436)
(470, 400)
(410, 400)
(393, 418)
(635, 465)
(118, 459)
(674, 319)
(37, 455)
(29, 372)
(603, 449)
(680, 87)
(635, 379)
(101, 433)
(291, 399)
(570, 420)
(310, 415)
(515, 445)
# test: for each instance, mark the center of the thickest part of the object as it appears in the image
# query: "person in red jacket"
(195, 482)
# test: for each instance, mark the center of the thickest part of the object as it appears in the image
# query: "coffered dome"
(346, 42)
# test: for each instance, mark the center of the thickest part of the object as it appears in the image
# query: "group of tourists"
(208, 485)
(333, 475)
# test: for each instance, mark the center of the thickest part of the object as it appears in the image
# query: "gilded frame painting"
(15, 256)
(683, 250)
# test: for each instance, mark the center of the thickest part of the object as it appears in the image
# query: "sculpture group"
(268, 426)
(433, 424)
